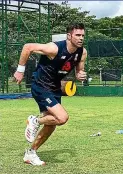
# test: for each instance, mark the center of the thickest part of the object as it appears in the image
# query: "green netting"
(107, 48)
(111, 75)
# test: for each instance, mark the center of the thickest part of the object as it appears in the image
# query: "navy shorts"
(45, 98)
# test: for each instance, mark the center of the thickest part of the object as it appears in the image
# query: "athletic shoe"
(31, 157)
(32, 128)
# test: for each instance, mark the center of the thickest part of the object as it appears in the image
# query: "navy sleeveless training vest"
(49, 73)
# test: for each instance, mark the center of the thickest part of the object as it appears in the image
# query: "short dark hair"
(73, 26)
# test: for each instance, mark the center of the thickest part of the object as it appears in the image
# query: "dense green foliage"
(25, 28)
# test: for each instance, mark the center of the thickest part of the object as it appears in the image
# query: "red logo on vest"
(66, 67)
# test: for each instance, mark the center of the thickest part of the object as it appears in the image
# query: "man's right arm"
(49, 49)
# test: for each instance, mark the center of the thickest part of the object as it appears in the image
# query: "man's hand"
(18, 76)
(81, 75)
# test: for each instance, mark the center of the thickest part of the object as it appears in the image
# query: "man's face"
(77, 37)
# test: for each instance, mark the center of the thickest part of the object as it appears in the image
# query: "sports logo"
(76, 56)
(66, 67)
(49, 100)
(63, 57)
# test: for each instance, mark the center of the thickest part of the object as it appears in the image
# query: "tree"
(23, 29)
(61, 16)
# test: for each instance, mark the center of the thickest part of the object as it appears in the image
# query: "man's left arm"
(79, 71)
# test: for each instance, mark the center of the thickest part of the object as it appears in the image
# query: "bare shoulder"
(52, 44)
(50, 49)
(84, 55)
(53, 49)
(84, 51)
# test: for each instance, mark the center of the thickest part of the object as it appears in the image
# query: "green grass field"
(71, 149)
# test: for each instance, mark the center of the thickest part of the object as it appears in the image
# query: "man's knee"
(63, 119)
(59, 114)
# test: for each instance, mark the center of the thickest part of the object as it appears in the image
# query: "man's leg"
(56, 115)
(30, 156)
(43, 134)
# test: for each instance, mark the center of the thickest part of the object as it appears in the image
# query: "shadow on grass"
(54, 155)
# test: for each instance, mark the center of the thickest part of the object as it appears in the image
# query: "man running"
(57, 61)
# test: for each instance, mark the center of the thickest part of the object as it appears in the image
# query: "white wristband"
(21, 68)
